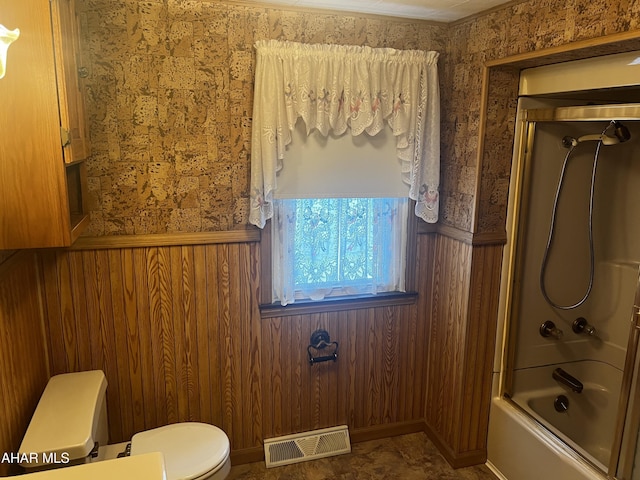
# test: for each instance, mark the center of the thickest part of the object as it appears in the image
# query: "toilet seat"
(191, 450)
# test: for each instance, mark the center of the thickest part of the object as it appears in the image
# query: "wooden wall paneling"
(117, 324)
(446, 343)
(326, 375)
(272, 383)
(249, 273)
(230, 356)
(405, 349)
(78, 314)
(459, 265)
(24, 369)
(165, 302)
(373, 369)
(214, 321)
(392, 361)
(67, 313)
(181, 312)
(299, 372)
(461, 342)
(159, 396)
(483, 311)
(204, 329)
(425, 260)
(316, 374)
(339, 401)
(178, 333)
(367, 386)
(434, 403)
(51, 300)
(137, 288)
(99, 284)
(349, 357)
(414, 348)
(360, 368)
(305, 325)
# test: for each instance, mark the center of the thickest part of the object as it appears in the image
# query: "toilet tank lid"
(64, 418)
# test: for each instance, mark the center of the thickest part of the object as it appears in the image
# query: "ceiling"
(435, 10)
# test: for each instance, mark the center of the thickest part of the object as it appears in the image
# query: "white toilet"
(69, 427)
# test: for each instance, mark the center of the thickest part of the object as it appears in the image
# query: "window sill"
(306, 307)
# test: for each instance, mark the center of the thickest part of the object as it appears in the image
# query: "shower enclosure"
(574, 294)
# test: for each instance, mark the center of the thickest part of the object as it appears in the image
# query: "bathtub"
(579, 437)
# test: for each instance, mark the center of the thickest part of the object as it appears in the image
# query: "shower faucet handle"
(549, 329)
(580, 325)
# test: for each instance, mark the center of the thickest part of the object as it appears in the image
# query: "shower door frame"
(521, 171)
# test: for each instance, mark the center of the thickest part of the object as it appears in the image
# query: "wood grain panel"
(174, 329)
(367, 385)
(177, 331)
(481, 336)
(462, 315)
(23, 360)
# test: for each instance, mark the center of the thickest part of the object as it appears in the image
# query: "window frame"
(269, 309)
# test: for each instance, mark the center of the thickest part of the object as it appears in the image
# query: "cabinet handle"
(83, 72)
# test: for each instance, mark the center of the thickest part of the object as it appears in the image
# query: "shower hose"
(547, 249)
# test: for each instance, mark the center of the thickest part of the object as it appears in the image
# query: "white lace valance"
(335, 88)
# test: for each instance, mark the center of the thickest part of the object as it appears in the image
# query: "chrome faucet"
(560, 376)
(549, 329)
(580, 325)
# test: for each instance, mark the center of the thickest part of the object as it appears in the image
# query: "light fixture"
(7, 37)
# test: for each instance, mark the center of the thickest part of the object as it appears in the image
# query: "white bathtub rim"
(547, 439)
(555, 433)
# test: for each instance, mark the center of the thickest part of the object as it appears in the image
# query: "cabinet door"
(34, 208)
(41, 196)
(70, 76)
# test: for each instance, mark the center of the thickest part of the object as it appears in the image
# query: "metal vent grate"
(306, 446)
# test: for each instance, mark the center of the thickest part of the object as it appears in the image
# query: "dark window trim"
(337, 304)
(268, 309)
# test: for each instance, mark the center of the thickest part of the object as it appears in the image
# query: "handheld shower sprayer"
(621, 134)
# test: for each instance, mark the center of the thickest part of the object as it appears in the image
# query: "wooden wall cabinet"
(43, 134)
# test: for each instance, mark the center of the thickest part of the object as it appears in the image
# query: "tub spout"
(560, 376)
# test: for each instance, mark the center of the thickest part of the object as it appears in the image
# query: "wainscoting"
(462, 319)
(23, 360)
(178, 332)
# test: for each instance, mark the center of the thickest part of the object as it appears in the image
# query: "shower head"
(620, 131)
(620, 134)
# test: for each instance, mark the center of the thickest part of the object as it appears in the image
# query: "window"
(332, 247)
(339, 135)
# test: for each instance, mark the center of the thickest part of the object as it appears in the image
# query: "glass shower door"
(625, 455)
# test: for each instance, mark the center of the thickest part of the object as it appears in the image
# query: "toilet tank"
(70, 418)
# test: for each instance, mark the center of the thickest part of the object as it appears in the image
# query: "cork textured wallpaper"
(170, 104)
(170, 99)
(519, 28)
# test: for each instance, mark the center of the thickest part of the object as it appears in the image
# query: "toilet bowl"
(192, 451)
(69, 427)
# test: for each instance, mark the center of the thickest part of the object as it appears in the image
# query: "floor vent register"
(305, 446)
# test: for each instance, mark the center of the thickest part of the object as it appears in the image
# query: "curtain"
(339, 88)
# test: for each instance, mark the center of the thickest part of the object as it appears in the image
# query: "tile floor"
(407, 457)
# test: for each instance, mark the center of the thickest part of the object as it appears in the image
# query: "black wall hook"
(319, 342)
